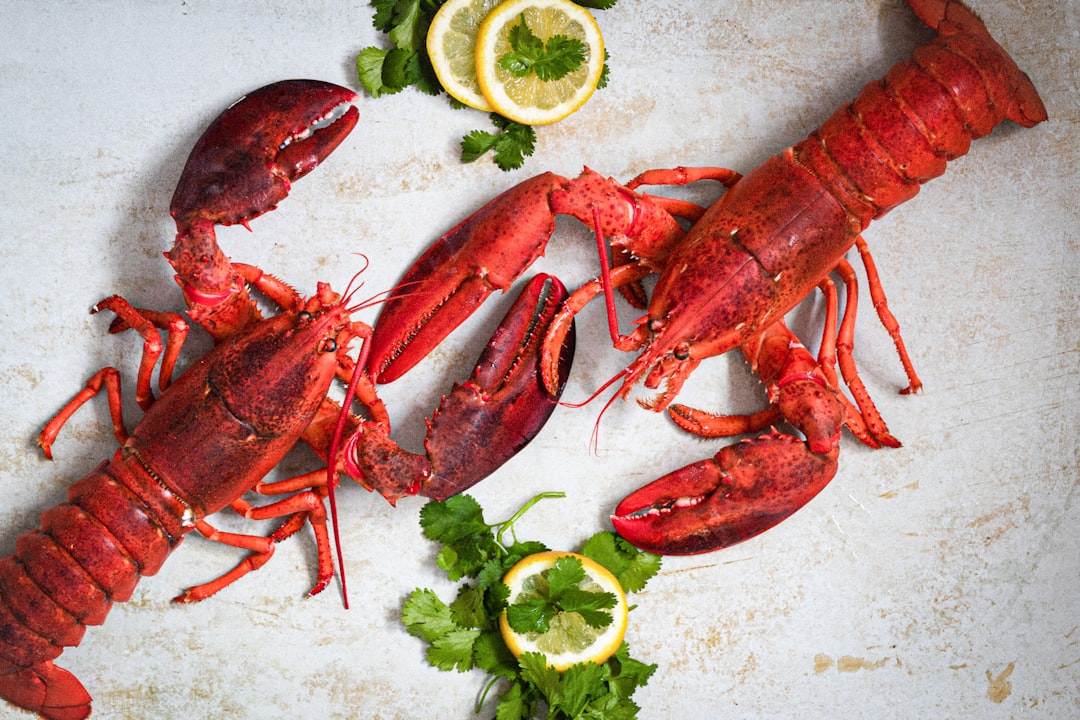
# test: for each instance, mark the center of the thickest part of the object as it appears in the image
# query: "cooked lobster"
(774, 236)
(212, 435)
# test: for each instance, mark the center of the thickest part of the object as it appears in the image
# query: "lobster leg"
(482, 423)
(751, 486)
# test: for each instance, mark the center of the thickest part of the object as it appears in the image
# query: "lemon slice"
(451, 46)
(569, 639)
(530, 100)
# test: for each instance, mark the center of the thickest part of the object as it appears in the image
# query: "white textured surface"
(938, 580)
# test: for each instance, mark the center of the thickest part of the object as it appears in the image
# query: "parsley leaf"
(465, 633)
(630, 566)
(511, 146)
(551, 60)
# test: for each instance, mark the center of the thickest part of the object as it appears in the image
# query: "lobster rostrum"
(773, 237)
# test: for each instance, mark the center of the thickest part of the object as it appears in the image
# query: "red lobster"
(208, 439)
(775, 235)
(224, 423)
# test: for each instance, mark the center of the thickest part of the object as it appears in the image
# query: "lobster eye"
(328, 345)
(303, 317)
(682, 352)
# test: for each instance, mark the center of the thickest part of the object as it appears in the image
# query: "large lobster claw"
(744, 490)
(749, 487)
(494, 246)
(245, 161)
(482, 423)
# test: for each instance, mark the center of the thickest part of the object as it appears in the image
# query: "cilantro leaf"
(534, 669)
(590, 605)
(453, 519)
(454, 649)
(567, 573)
(511, 146)
(531, 614)
(369, 65)
(512, 705)
(493, 657)
(410, 26)
(632, 567)
(384, 14)
(468, 609)
(426, 616)
(552, 59)
(580, 684)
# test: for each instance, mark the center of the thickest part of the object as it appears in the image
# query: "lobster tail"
(64, 576)
(875, 152)
(1008, 86)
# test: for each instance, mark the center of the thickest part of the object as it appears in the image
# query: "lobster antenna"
(332, 472)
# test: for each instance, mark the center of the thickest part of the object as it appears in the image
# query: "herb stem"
(502, 527)
(483, 693)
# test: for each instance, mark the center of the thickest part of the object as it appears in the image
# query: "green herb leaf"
(632, 567)
(566, 573)
(426, 616)
(511, 146)
(453, 650)
(384, 14)
(512, 705)
(410, 25)
(553, 59)
(534, 669)
(580, 684)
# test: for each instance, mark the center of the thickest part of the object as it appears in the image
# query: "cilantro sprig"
(387, 71)
(464, 634)
(551, 60)
(560, 593)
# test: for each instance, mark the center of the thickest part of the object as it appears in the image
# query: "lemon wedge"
(569, 639)
(530, 100)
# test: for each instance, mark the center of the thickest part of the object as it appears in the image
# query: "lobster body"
(207, 440)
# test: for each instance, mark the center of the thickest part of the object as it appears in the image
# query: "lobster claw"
(245, 161)
(493, 247)
(483, 422)
(742, 491)
(485, 252)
